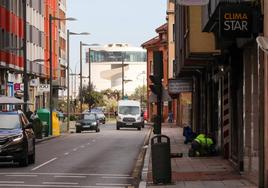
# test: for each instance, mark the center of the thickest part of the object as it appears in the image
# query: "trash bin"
(43, 114)
(56, 124)
(45, 128)
(161, 164)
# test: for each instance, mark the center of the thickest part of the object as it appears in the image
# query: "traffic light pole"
(159, 112)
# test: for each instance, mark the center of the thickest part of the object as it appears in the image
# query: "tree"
(91, 97)
(140, 94)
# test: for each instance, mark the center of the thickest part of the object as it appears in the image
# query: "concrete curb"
(37, 141)
(145, 168)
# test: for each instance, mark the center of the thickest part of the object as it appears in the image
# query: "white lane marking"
(117, 177)
(93, 140)
(112, 184)
(60, 183)
(22, 175)
(70, 176)
(57, 186)
(66, 153)
(45, 163)
(11, 181)
(88, 143)
(82, 146)
(75, 149)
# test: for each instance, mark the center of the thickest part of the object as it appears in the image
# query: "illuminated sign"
(192, 2)
(235, 21)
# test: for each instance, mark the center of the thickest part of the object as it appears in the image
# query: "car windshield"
(89, 117)
(9, 121)
(132, 110)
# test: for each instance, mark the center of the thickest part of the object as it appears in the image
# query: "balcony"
(62, 5)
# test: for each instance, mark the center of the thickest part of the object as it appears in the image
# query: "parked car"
(17, 140)
(100, 115)
(88, 121)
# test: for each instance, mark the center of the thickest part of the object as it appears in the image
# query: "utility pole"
(25, 69)
(81, 100)
(50, 75)
(68, 80)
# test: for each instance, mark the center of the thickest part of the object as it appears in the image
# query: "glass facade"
(110, 56)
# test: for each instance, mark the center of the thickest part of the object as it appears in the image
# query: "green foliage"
(140, 94)
(72, 118)
(92, 97)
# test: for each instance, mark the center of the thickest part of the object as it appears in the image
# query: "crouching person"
(202, 145)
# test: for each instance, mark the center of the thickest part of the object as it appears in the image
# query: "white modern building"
(106, 64)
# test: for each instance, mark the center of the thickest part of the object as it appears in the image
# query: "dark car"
(88, 121)
(100, 115)
(17, 140)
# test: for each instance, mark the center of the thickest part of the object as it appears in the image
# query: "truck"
(129, 115)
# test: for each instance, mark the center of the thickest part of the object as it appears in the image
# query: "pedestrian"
(170, 117)
(202, 145)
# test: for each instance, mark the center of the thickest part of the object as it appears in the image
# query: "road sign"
(192, 2)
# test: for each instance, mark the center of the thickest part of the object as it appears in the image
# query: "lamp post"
(68, 73)
(89, 63)
(81, 76)
(123, 74)
(51, 18)
(25, 75)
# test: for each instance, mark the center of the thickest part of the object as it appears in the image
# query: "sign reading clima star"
(235, 21)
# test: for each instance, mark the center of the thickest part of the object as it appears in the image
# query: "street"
(87, 159)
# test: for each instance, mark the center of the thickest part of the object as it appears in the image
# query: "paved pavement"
(193, 172)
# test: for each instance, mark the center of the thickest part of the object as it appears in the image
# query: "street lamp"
(89, 63)
(123, 74)
(68, 73)
(51, 18)
(81, 45)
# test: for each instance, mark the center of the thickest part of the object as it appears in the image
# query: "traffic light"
(156, 87)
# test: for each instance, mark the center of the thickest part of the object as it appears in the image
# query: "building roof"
(162, 28)
(151, 42)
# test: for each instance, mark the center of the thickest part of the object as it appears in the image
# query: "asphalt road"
(87, 159)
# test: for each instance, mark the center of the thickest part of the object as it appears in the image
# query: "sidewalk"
(194, 172)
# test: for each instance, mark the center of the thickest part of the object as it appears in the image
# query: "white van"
(129, 114)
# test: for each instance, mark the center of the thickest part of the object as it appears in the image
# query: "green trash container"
(44, 115)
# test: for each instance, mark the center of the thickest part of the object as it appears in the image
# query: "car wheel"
(97, 130)
(32, 157)
(139, 128)
(78, 130)
(24, 160)
(117, 128)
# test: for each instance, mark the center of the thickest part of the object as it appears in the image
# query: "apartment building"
(37, 38)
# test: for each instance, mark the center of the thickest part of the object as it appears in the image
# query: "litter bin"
(43, 115)
(161, 164)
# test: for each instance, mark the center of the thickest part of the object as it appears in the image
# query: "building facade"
(106, 67)
(12, 38)
(216, 47)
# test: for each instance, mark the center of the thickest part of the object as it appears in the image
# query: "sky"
(113, 21)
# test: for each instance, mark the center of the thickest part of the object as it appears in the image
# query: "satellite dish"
(192, 2)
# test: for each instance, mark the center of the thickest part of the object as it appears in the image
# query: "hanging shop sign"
(236, 20)
(192, 2)
(43, 88)
(17, 86)
(176, 86)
